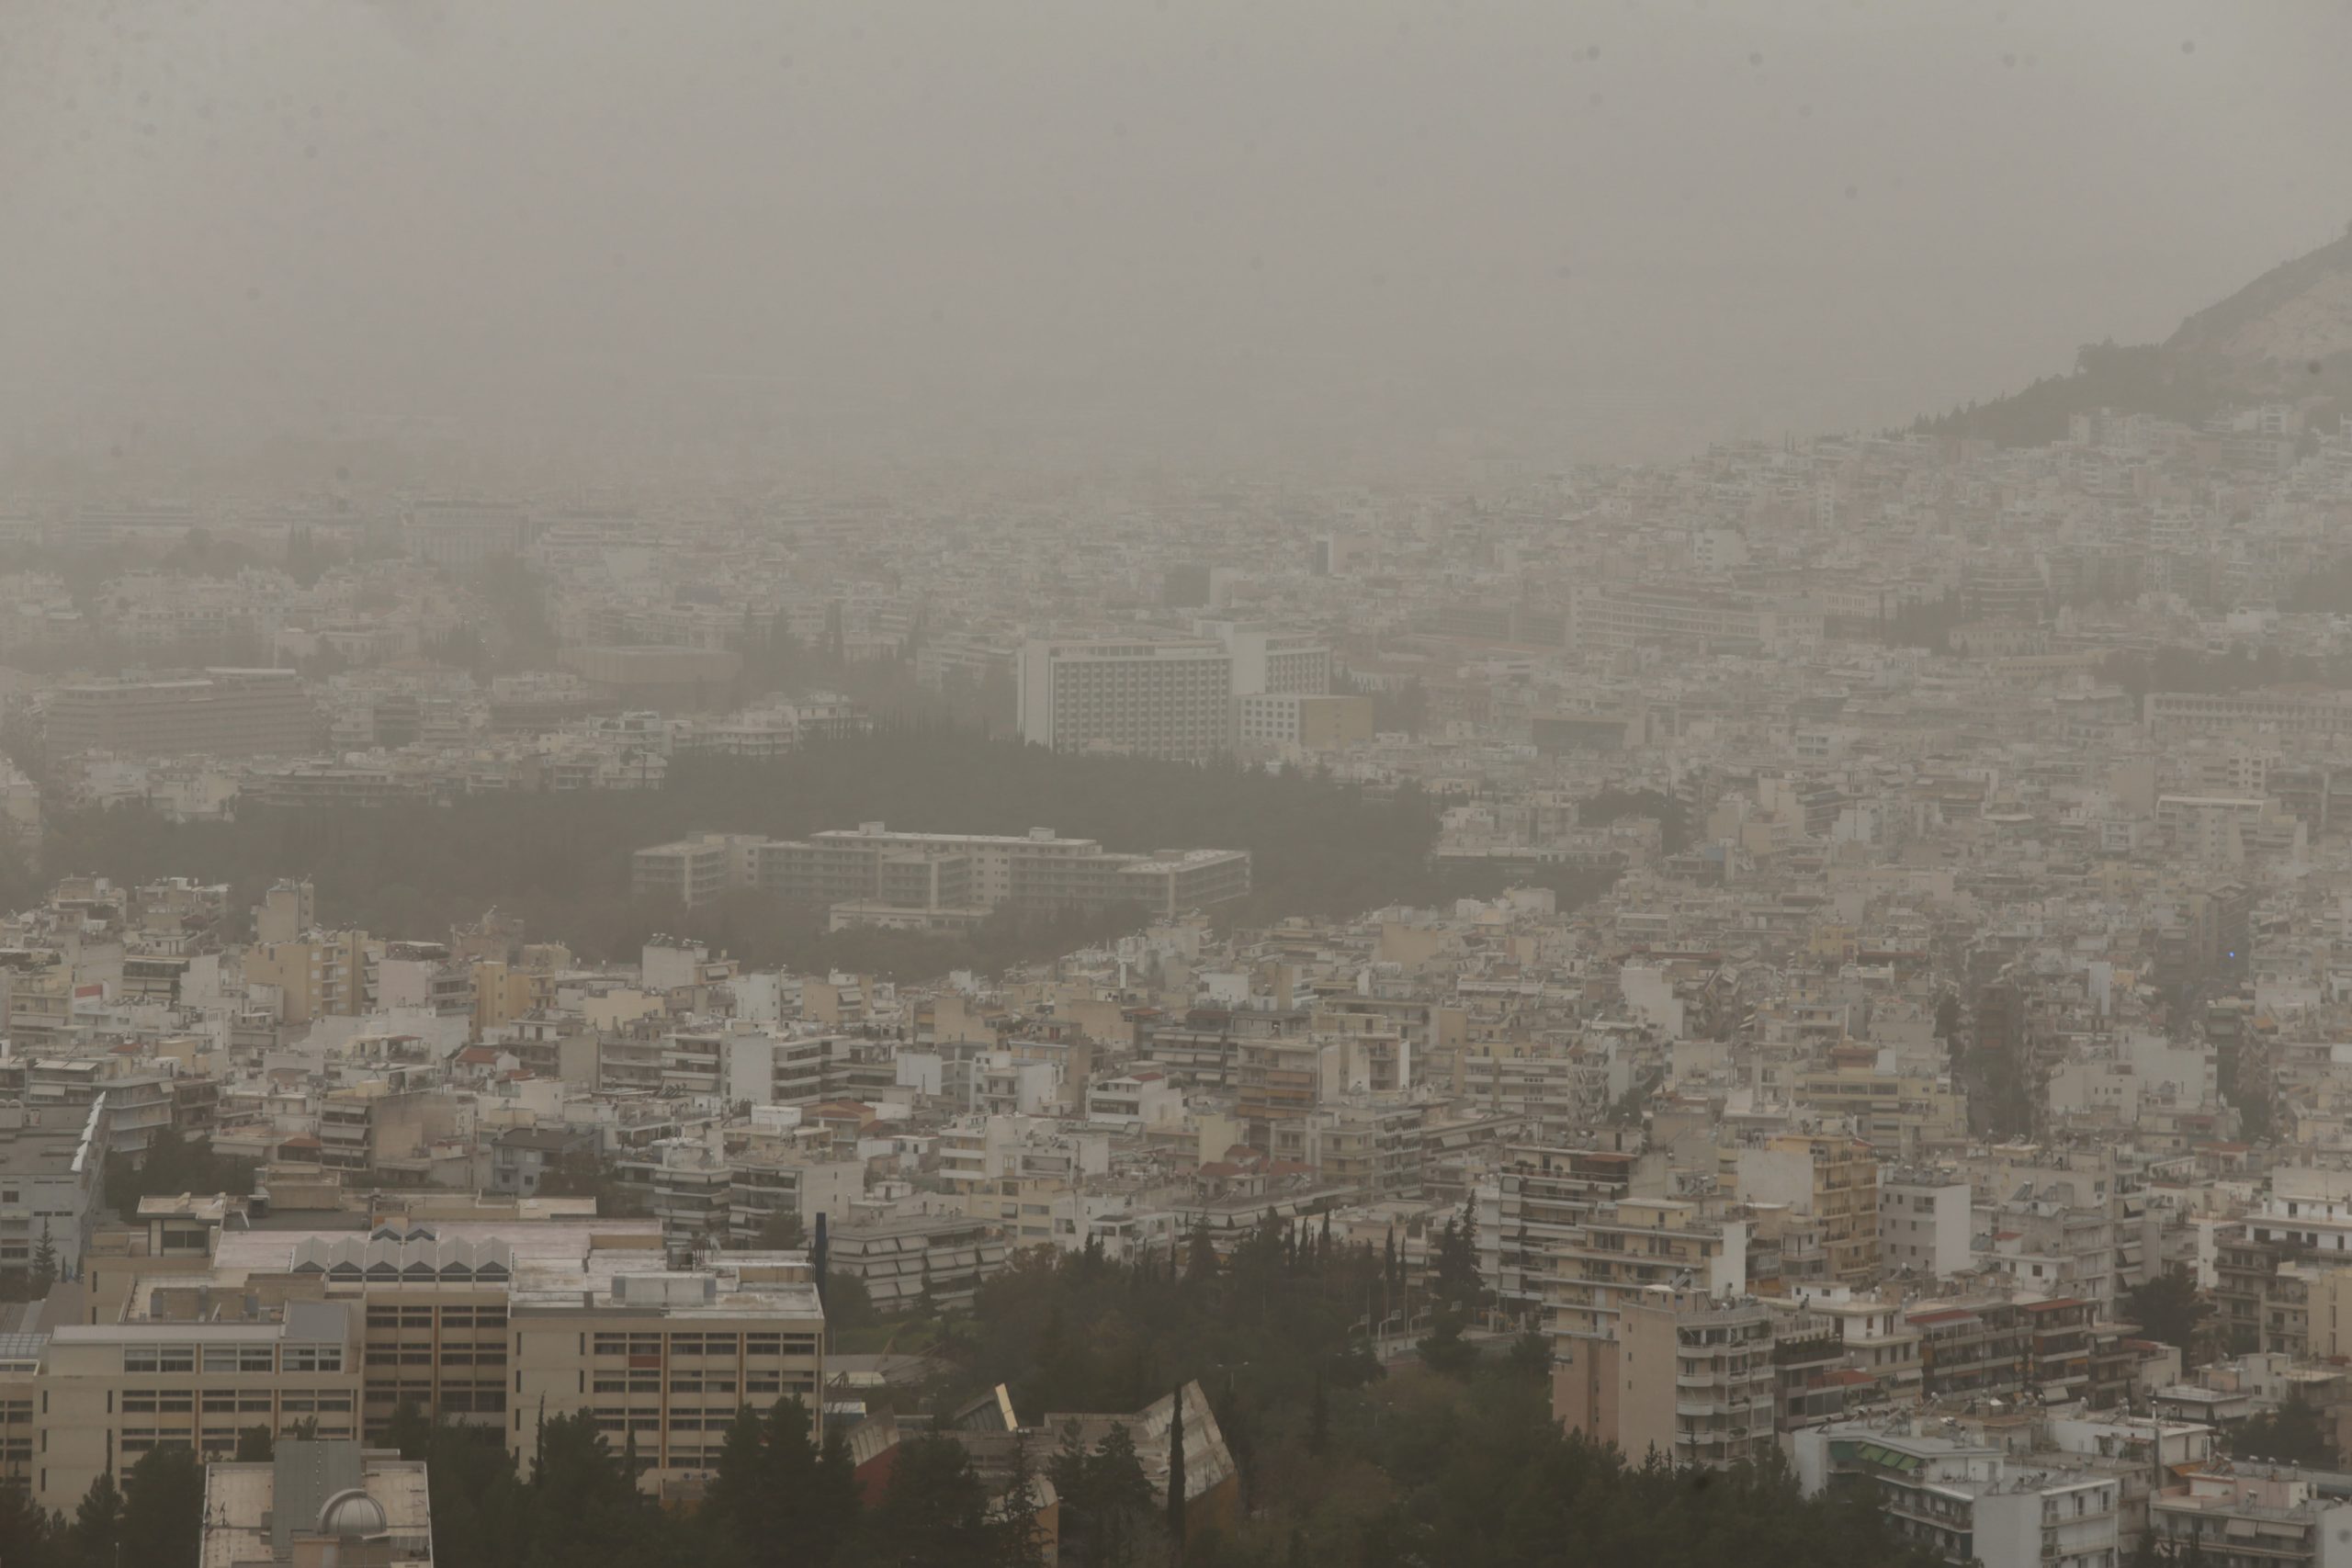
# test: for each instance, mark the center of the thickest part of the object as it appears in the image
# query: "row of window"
(704, 1344)
(180, 1401)
(220, 1359)
(451, 1317)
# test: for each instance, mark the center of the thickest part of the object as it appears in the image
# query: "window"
(313, 1359)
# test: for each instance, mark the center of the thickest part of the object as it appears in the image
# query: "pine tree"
(1018, 1529)
(44, 1264)
(1176, 1466)
(787, 1480)
(1318, 1420)
(26, 1533)
(163, 1509)
(935, 1513)
(410, 1430)
(735, 1499)
(832, 1521)
(1118, 1494)
(1072, 1474)
(96, 1532)
(1200, 1260)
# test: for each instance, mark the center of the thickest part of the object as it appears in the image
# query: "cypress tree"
(1176, 1466)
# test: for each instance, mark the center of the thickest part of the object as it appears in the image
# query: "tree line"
(561, 861)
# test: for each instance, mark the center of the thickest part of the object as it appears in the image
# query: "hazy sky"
(1554, 227)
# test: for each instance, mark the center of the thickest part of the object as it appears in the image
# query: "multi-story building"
(1628, 1244)
(690, 871)
(51, 1168)
(1835, 1180)
(1534, 1212)
(1970, 1348)
(1969, 1503)
(110, 1392)
(2251, 1516)
(761, 1187)
(899, 1260)
(1924, 1222)
(1312, 722)
(223, 713)
(668, 1357)
(1160, 699)
(870, 875)
(1373, 1147)
(324, 975)
(1687, 1376)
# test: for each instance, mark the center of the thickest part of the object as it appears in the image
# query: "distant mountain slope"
(2288, 334)
(2298, 311)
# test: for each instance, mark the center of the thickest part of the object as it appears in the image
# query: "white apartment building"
(1969, 1503)
(1924, 1222)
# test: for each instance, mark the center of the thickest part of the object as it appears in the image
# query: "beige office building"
(109, 1393)
(662, 1361)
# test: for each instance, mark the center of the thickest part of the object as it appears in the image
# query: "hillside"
(2285, 336)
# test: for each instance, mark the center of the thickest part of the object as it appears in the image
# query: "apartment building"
(53, 1165)
(2252, 1516)
(1628, 1244)
(1835, 1180)
(1161, 699)
(1926, 1222)
(322, 974)
(1970, 1503)
(1281, 1082)
(761, 1187)
(1375, 1147)
(1687, 1377)
(898, 1259)
(1134, 1100)
(1535, 1210)
(223, 713)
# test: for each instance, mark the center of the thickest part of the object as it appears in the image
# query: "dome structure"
(352, 1516)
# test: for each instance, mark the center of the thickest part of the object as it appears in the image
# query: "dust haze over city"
(1212, 782)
